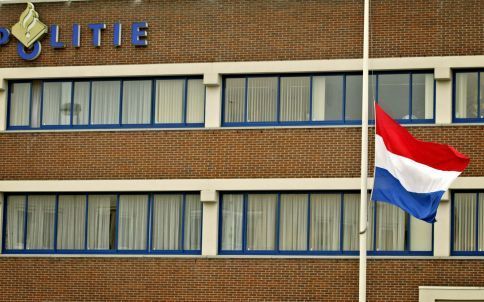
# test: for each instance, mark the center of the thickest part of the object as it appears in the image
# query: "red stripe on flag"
(399, 141)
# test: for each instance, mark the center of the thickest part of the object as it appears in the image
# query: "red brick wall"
(165, 279)
(244, 153)
(235, 30)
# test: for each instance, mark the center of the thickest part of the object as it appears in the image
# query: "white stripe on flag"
(414, 176)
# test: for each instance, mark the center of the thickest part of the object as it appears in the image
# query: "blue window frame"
(325, 99)
(102, 223)
(467, 223)
(315, 223)
(106, 103)
(468, 96)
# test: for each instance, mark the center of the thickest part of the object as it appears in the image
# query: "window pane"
(232, 209)
(56, 105)
(466, 95)
(325, 222)
(261, 221)
(390, 228)
(422, 96)
(371, 97)
(393, 94)
(20, 104)
(169, 101)
(234, 100)
(195, 101)
(351, 222)
(15, 223)
(481, 115)
(370, 242)
(294, 98)
(105, 102)
(193, 222)
(465, 221)
(36, 99)
(354, 86)
(80, 114)
(328, 98)
(420, 235)
(481, 222)
(40, 222)
(101, 222)
(133, 222)
(136, 102)
(167, 210)
(71, 222)
(294, 222)
(262, 99)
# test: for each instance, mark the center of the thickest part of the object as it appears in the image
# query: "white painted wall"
(443, 102)
(442, 229)
(182, 185)
(213, 106)
(210, 201)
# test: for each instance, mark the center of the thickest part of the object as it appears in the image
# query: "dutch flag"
(410, 173)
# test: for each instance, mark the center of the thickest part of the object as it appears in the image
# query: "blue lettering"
(139, 34)
(96, 33)
(76, 35)
(4, 35)
(54, 37)
(34, 54)
(117, 34)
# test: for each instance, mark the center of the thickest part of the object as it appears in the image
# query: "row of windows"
(107, 103)
(316, 223)
(63, 223)
(319, 99)
(250, 223)
(247, 101)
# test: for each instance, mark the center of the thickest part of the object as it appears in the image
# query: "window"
(109, 103)
(105, 99)
(406, 96)
(325, 99)
(316, 223)
(469, 96)
(56, 102)
(468, 223)
(71, 218)
(103, 223)
(40, 222)
(176, 222)
(133, 222)
(136, 102)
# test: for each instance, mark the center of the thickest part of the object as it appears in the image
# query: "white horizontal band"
(414, 177)
(181, 185)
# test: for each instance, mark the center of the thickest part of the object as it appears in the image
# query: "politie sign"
(29, 31)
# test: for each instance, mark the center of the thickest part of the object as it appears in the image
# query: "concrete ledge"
(450, 293)
(442, 73)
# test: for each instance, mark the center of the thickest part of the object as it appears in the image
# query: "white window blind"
(167, 222)
(293, 222)
(71, 219)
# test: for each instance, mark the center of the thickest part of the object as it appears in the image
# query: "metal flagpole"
(364, 157)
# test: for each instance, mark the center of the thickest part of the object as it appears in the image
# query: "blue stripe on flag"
(420, 205)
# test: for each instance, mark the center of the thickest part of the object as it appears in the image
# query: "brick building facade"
(218, 44)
